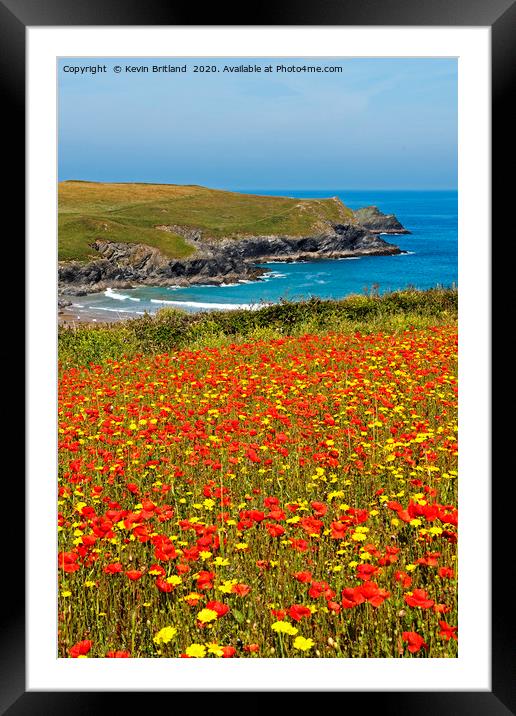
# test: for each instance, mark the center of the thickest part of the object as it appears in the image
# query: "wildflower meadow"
(281, 497)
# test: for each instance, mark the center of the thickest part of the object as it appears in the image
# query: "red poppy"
(404, 515)
(134, 574)
(446, 572)
(279, 613)
(68, 561)
(441, 608)
(359, 516)
(241, 589)
(80, 649)
(311, 525)
(271, 501)
(404, 578)
(165, 551)
(395, 506)
(319, 508)
(253, 455)
(114, 568)
(415, 641)
(351, 597)
(118, 655)
(163, 585)
(366, 571)
(218, 607)
(276, 514)
(429, 560)
(205, 579)
(300, 545)
(228, 652)
(376, 553)
(390, 557)
(191, 554)
(275, 530)
(373, 594)
(419, 598)
(447, 632)
(298, 611)
(251, 648)
(303, 577)
(318, 589)
(338, 529)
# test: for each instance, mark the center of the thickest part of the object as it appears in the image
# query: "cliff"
(124, 265)
(220, 248)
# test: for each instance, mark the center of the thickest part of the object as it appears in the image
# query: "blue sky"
(379, 124)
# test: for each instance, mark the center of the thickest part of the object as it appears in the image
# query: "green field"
(130, 212)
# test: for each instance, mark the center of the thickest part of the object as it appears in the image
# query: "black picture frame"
(500, 16)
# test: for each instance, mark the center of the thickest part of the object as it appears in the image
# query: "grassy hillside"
(129, 213)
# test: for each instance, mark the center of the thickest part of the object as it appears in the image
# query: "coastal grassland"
(170, 329)
(278, 483)
(78, 231)
(129, 213)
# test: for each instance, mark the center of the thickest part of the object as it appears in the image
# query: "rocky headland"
(124, 265)
(371, 218)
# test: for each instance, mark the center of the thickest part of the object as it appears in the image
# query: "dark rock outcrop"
(341, 240)
(371, 218)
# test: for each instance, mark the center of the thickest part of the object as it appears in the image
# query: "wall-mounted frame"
(17, 18)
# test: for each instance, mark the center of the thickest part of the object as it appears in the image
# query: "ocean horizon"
(430, 259)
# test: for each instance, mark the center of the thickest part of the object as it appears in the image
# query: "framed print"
(255, 255)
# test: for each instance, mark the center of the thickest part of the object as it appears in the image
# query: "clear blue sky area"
(380, 123)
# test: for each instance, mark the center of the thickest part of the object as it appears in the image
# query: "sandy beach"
(69, 316)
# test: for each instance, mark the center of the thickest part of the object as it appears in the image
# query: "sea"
(430, 260)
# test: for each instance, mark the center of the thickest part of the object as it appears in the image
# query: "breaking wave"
(213, 306)
(110, 293)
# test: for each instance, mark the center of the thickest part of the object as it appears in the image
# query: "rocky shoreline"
(125, 265)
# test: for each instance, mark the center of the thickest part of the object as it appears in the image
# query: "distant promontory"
(124, 235)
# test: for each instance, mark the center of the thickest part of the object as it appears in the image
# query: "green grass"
(171, 329)
(77, 232)
(129, 213)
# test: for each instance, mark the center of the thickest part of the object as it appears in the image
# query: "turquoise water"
(431, 260)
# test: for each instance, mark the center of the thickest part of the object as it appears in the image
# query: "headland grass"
(130, 212)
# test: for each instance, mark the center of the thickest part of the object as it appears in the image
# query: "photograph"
(257, 309)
